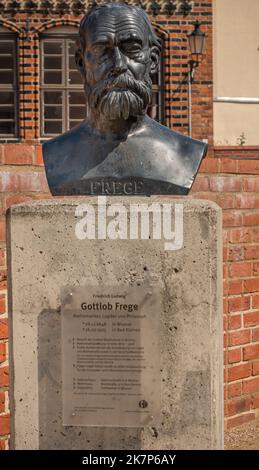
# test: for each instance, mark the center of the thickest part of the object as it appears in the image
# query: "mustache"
(121, 105)
(142, 89)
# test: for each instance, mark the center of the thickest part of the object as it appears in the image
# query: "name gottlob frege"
(117, 306)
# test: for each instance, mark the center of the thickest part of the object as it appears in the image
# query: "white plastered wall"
(236, 72)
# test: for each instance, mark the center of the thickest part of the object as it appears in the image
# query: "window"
(156, 109)
(62, 95)
(8, 86)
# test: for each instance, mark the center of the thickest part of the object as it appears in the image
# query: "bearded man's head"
(118, 52)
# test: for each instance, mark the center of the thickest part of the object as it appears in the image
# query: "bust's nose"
(119, 64)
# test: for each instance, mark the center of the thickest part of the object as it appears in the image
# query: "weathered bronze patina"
(118, 149)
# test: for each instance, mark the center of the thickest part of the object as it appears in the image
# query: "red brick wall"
(231, 179)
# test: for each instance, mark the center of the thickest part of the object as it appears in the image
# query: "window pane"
(155, 79)
(73, 124)
(6, 112)
(6, 62)
(72, 63)
(7, 128)
(6, 77)
(53, 62)
(72, 48)
(77, 112)
(74, 78)
(53, 112)
(53, 47)
(77, 97)
(52, 97)
(53, 127)
(6, 47)
(53, 78)
(6, 97)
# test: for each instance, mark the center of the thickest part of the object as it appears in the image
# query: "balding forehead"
(125, 25)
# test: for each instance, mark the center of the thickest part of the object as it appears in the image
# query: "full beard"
(120, 98)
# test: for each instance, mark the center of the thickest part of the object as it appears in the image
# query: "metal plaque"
(110, 356)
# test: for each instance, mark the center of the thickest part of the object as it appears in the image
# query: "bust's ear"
(79, 58)
(155, 55)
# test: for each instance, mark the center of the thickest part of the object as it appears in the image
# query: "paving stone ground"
(245, 437)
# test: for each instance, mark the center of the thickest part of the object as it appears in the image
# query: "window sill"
(9, 140)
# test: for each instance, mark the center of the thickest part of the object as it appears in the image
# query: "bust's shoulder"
(65, 142)
(183, 142)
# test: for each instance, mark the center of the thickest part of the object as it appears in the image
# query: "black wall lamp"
(197, 43)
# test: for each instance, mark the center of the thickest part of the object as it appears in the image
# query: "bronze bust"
(118, 149)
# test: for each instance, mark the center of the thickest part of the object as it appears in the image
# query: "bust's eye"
(101, 49)
(131, 49)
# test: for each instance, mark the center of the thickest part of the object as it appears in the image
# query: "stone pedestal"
(44, 255)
